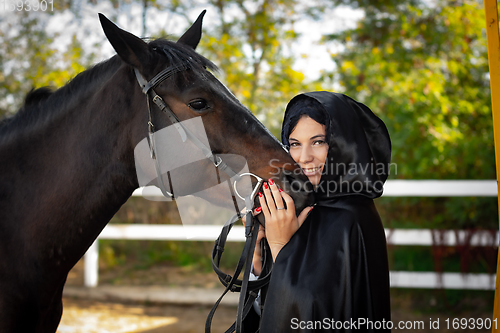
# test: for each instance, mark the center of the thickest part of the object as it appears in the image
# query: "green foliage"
(423, 259)
(439, 213)
(422, 67)
(28, 60)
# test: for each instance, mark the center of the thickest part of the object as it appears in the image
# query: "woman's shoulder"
(350, 206)
(344, 207)
(332, 221)
(351, 214)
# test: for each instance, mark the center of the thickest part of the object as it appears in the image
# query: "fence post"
(491, 15)
(91, 265)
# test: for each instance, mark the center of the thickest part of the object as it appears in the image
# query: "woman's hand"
(279, 211)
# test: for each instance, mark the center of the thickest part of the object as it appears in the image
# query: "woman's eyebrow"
(317, 136)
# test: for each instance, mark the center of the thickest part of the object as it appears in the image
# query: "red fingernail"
(281, 190)
(258, 209)
(271, 182)
(266, 186)
(260, 194)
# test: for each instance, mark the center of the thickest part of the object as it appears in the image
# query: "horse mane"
(42, 104)
(36, 96)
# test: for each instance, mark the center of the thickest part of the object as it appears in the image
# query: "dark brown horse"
(67, 162)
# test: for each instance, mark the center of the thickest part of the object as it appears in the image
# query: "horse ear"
(193, 35)
(133, 50)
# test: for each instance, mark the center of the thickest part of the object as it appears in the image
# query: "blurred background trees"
(425, 69)
(423, 66)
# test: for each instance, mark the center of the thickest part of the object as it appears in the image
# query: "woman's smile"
(311, 171)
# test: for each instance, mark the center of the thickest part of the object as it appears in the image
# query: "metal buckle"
(217, 161)
(255, 189)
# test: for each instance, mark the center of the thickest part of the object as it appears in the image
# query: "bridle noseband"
(252, 226)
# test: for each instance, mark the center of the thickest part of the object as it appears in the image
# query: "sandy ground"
(86, 316)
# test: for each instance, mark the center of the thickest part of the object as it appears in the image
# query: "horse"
(67, 161)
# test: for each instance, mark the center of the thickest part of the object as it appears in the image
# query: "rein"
(232, 283)
(243, 286)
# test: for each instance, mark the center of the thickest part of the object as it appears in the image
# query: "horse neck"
(69, 177)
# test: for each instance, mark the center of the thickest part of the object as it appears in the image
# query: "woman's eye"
(294, 145)
(318, 143)
(198, 104)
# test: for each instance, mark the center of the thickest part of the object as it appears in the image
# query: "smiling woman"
(331, 261)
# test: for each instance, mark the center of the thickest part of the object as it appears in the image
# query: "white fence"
(399, 279)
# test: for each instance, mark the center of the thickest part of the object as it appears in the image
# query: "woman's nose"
(306, 155)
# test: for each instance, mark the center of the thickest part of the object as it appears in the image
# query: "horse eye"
(198, 104)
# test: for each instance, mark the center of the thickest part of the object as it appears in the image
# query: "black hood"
(359, 154)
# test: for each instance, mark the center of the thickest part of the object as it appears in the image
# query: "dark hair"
(304, 107)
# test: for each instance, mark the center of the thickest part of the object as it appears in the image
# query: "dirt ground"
(86, 316)
(89, 316)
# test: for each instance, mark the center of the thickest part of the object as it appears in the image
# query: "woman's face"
(308, 147)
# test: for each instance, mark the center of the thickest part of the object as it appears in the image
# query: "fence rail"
(416, 188)
(400, 279)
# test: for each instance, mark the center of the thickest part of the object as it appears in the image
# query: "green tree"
(422, 66)
(29, 60)
(424, 70)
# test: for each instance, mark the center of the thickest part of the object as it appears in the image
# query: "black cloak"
(333, 274)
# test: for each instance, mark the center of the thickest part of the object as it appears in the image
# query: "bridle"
(232, 283)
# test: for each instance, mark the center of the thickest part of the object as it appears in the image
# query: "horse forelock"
(178, 53)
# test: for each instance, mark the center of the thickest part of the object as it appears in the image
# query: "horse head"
(191, 91)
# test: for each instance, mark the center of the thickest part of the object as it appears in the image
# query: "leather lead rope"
(248, 289)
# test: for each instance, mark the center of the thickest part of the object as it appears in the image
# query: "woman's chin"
(315, 180)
